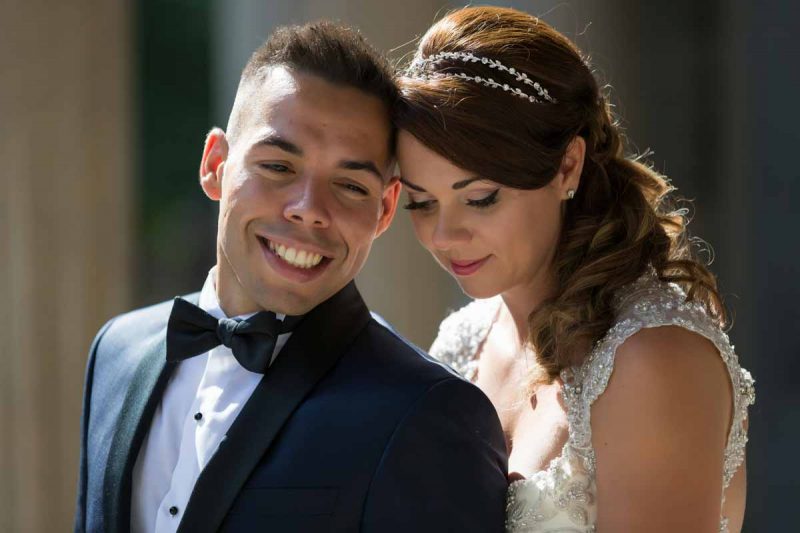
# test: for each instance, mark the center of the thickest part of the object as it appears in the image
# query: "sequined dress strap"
(645, 304)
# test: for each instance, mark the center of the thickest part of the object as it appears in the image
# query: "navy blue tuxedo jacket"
(351, 429)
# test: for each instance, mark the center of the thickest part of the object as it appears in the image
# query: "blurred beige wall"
(65, 236)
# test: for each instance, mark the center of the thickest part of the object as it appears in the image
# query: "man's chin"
(293, 300)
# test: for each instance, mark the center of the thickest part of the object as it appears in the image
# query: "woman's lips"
(465, 268)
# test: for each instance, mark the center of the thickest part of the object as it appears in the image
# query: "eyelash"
(411, 205)
(275, 167)
(483, 203)
(356, 189)
(486, 201)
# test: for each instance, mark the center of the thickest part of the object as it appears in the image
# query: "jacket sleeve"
(80, 508)
(444, 469)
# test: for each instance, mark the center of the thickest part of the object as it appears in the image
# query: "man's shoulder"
(387, 340)
(139, 324)
(386, 355)
(121, 344)
(399, 379)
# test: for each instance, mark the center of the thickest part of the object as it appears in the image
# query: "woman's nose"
(449, 232)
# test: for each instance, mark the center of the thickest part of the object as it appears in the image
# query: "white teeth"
(295, 257)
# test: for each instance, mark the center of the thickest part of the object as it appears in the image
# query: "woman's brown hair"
(621, 221)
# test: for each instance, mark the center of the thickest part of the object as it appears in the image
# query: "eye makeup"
(481, 203)
(486, 201)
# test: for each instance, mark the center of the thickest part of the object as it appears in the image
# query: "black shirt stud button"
(198, 416)
(173, 510)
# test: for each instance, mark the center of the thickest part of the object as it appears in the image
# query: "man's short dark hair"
(335, 53)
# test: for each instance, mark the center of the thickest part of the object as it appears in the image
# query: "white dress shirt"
(202, 399)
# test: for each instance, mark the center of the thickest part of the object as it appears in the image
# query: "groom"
(272, 400)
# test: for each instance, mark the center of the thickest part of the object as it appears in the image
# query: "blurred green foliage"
(175, 222)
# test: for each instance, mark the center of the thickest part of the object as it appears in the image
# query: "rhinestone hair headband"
(419, 65)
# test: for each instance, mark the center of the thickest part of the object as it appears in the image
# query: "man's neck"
(228, 293)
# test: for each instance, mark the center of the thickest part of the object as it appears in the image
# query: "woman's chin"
(477, 291)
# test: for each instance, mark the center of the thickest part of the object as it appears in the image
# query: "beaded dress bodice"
(562, 498)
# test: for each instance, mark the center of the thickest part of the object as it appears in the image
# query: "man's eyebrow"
(279, 142)
(456, 186)
(369, 166)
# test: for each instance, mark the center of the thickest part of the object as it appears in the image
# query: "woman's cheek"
(422, 229)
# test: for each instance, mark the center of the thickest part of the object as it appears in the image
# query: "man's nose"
(307, 204)
(449, 231)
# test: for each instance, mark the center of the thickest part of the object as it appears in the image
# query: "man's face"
(304, 189)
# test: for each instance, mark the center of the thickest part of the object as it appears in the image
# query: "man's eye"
(274, 167)
(354, 188)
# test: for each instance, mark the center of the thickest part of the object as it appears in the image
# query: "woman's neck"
(521, 302)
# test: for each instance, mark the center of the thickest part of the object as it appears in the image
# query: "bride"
(594, 331)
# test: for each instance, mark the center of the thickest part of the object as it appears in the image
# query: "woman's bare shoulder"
(662, 423)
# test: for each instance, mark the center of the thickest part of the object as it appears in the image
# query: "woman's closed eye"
(486, 201)
(412, 205)
(479, 203)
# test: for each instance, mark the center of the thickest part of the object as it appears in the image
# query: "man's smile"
(295, 261)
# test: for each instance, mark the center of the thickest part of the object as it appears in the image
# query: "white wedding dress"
(562, 498)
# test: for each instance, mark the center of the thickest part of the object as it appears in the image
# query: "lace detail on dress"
(461, 334)
(562, 498)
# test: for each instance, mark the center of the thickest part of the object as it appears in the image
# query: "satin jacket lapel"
(143, 395)
(314, 347)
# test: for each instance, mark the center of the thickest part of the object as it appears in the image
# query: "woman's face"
(492, 239)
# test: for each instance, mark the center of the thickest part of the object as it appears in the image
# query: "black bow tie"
(191, 331)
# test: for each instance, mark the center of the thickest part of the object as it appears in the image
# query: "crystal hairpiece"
(418, 69)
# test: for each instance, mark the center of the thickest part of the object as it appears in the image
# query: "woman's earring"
(571, 194)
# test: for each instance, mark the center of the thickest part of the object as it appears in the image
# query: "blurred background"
(104, 105)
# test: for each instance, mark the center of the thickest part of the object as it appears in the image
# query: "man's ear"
(391, 195)
(212, 164)
(569, 173)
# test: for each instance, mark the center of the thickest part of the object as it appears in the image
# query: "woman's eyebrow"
(456, 186)
(411, 185)
(463, 183)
